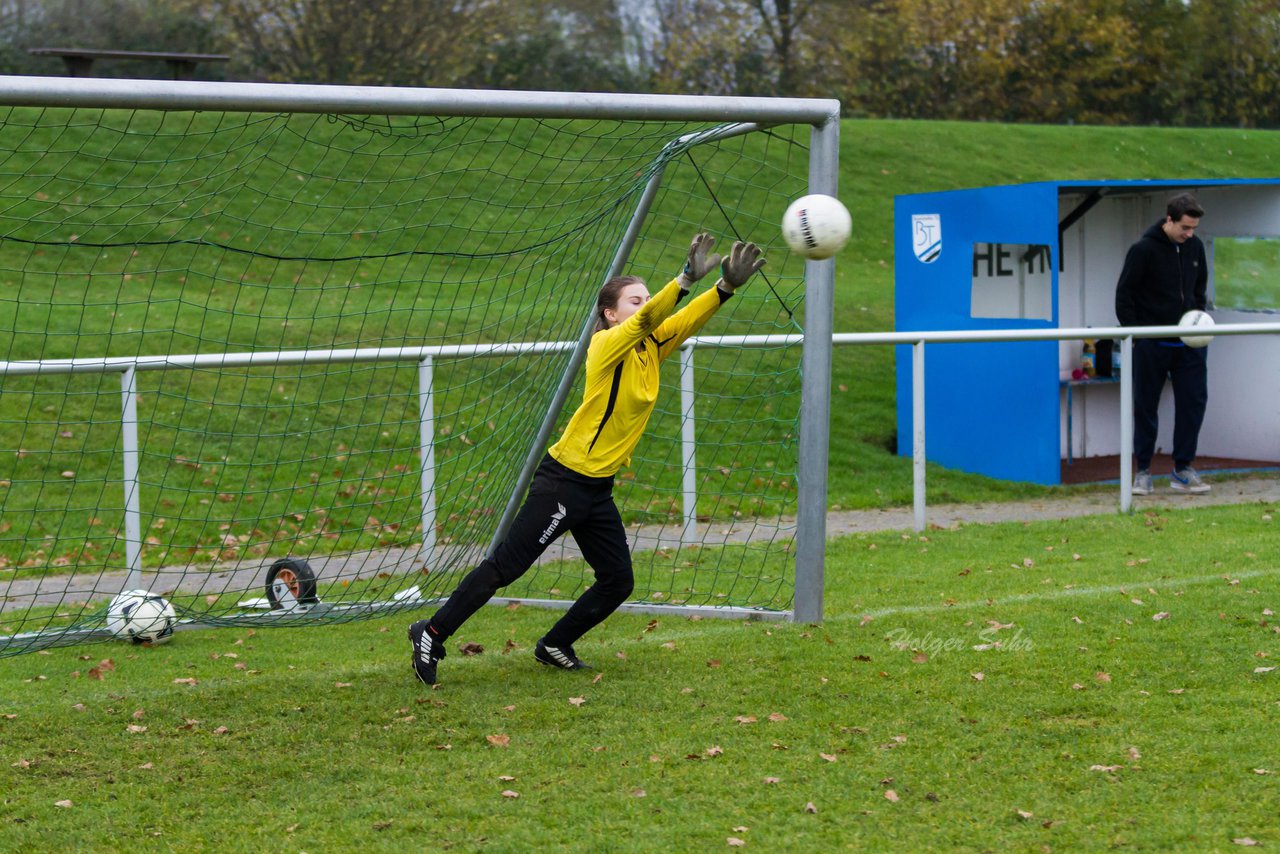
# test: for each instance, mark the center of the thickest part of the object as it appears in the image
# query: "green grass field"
(1129, 701)
(1106, 682)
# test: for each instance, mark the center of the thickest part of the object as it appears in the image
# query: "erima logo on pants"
(556, 518)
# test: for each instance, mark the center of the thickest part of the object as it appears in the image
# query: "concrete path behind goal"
(247, 578)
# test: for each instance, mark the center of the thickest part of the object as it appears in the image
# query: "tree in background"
(940, 58)
(1076, 61)
(390, 42)
(103, 24)
(571, 45)
(1172, 62)
(1235, 47)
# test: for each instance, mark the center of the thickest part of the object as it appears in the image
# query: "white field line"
(1062, 593)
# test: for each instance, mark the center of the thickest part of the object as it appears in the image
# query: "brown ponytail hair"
(608, 298)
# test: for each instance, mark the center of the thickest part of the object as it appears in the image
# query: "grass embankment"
(319, 463)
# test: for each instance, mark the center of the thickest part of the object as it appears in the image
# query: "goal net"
(288, 367)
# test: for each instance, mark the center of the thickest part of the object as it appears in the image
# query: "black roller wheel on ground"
(291, 581)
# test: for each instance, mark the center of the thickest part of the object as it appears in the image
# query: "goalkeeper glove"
(741, 264)
(699, 263)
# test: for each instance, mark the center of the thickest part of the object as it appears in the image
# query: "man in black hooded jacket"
(1165, 276)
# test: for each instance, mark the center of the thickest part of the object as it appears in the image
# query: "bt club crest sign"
(926, 237)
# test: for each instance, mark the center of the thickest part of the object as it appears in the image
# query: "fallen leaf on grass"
(508, 793)
(1134, 753)
(771, 780)
(978, 677)
(577, 701)
(735, 842)
(21, 763)
(1102, 676)
(830, 757)
(745, 719)
(777, 717)
(638, 793)
(499, 740)
(1261, 771)
(714, 750)
(189, 680)
(1105, 768)
(1263, 669)
(810, 808)
(1244, 840)
(470, 648)
(221, 731)
(1163, 615)
(1024, 814)
(342, 684)
(135, 728)
(146, 766)
(63, 804)
(891, 796)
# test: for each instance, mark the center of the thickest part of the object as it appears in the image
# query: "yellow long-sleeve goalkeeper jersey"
(622, 380)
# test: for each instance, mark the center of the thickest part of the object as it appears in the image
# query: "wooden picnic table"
(79, 61)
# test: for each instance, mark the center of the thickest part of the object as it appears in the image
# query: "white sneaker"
(1186, 480)
(1142, 483)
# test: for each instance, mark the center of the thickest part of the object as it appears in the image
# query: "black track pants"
(1154, 362)
(559, 500)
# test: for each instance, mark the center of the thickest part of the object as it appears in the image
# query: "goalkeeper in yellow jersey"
(572, 489)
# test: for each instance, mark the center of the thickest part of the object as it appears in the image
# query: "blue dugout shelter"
(1047, 255)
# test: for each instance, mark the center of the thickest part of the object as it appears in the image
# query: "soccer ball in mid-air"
(141, 616)
(816, 226)
(1198, 320)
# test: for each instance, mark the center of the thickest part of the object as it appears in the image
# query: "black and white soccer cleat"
(562, 657)
(428, 649)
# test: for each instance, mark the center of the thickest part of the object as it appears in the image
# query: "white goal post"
(733, 116)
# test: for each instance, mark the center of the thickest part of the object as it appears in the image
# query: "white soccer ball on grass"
(142, 617)
(1199, 321)
(816, 226)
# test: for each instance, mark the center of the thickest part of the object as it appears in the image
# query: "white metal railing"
(1126, 334)
(129, 367)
